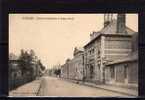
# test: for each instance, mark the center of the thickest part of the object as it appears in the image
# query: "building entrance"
(91, 71)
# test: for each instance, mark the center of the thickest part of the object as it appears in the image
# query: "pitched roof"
(13, 56)
(80, 49)
(110, 29)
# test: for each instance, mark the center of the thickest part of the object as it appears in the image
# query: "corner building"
(112, 42)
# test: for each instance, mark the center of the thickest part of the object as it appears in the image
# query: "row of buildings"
(110, 57)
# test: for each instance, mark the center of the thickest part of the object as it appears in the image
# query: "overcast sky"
(54, 36)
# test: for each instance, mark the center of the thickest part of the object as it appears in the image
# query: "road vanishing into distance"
(52, 86)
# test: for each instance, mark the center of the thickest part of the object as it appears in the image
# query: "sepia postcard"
(73, 55)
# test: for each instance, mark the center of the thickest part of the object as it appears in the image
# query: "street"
(51, 86)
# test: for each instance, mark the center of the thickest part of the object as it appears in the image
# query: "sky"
(53, 37)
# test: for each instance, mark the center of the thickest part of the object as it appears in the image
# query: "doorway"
(91, 71)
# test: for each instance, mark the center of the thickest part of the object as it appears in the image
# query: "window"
(125, 70)
(99, 66)
(112, 72)
(86, 54)
(98, 52)
(92, 50)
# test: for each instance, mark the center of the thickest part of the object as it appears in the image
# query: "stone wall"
(72, 70)
(117, 47)
(64, 71)
(133, 73)
(119, 70)
(123, 76)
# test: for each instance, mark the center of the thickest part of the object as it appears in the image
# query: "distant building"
(14, 70)
(78, 63)
(65, 69)
(109, 44)
(15, 73)
(73, 69)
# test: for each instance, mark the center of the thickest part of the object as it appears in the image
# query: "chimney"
(107, 19)
(121, 21)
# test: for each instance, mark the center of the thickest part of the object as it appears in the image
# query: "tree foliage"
(24, 68)
(29, 64)
(25, 61)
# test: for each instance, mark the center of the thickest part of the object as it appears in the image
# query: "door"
(91, 71)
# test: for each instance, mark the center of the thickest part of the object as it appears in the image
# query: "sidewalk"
(130, 92)
(29, 89)
(126, 91)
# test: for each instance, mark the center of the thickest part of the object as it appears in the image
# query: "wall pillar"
(102, 76)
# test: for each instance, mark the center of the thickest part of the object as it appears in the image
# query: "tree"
(22, 63)
(27, 62)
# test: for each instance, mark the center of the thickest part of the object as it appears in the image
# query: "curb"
(91, 85)
(39, 88)
(109, 90)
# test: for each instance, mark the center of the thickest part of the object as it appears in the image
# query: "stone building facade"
(109, 57)
(73, 69)
(65, 69)
(14, 70)
(124, 72)
(78, 61)
(109, 44)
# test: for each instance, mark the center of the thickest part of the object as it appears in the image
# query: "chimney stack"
(107, 19)
(121, 21)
